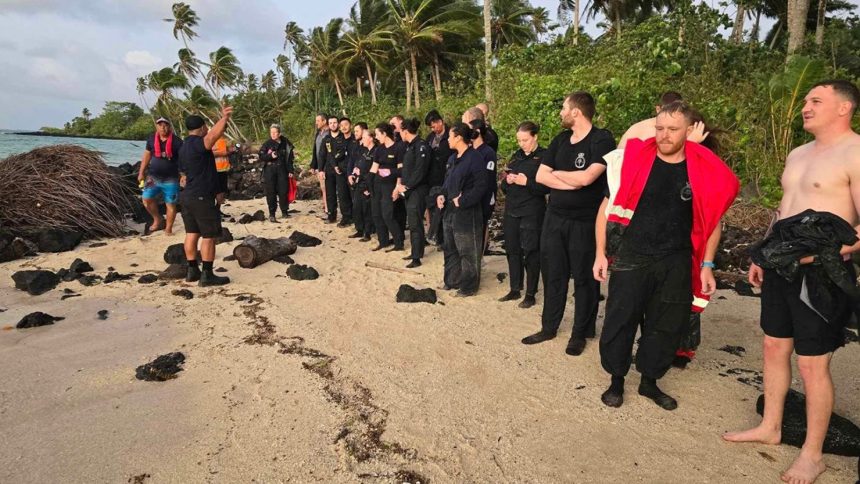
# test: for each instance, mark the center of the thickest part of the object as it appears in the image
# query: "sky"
(59, 56)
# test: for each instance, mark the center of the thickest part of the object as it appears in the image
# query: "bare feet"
(760, 434)
(804, 470)
(156, 225)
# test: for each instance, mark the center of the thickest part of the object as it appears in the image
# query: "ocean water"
(115, 152)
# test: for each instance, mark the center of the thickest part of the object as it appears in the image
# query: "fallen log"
(254, 251)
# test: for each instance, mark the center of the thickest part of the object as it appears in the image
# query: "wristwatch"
(709, 264)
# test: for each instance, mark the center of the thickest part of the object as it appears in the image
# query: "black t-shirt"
(522, 201)
(579, 204)
(198, 164)
(388, 159)
(663, 220)
(164, 167)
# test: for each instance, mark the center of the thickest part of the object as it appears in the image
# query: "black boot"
(208, 278)
(538, 337)
(648, 388)
(614, 395)
(511, 296)
(192, 274)
(527, 302)
(575, 346)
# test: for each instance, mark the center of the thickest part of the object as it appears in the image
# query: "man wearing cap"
(200, 211)
(160, 157)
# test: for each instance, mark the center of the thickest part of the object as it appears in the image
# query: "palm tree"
(488, 49)
(540, 22)
(188, 64)
(184, 20)
(417, 24)
(565, 8)
(251, 82)
(267, 82)
(142, 87)
(163, 83)
(511, 23)
(85, 113)
(224, 70)
(325, 58)
(293, 36)
(613, 10)
(368, 40)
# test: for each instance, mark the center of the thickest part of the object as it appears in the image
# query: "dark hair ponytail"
(528, 127)
(411, 125)
(386, 128)
(479, 128)
(464, 131)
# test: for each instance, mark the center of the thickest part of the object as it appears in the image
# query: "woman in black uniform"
(387, 162)
(360, 179)
(462, 192)
(525, 205)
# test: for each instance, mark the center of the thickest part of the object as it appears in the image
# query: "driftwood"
(388, 268)
(254, 251)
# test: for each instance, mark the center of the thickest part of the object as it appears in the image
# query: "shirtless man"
(823, 175)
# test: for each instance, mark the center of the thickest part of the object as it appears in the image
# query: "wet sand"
(331, 381)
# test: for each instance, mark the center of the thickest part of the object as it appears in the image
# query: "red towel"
(168, 147)
(714, 189)
(293, 191)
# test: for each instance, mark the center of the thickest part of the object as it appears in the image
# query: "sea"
(115, 152)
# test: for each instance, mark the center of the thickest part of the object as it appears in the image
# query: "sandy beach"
(331, 380)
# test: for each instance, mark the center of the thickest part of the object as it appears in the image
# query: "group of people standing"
(648, 209)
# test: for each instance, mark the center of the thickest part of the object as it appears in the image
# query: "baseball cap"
(162, 120)
(194, 122)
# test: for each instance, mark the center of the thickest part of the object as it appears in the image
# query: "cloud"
(141, 58)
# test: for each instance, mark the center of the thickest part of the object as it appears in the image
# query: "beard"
(669, 149)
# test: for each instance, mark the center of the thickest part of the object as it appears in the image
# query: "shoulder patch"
(491, 165)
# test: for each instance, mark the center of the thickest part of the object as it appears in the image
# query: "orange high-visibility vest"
(222, 163)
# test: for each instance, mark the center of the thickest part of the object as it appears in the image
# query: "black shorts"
(785, 315)
(223, 176)
(201, 216)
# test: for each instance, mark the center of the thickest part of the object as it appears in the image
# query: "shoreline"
(65, 135)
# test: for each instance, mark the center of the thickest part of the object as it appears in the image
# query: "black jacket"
(467, 179)
(334, 151)
(522, 201)
(317, 160)
(439, 158)
(492, 138)
(285, 153)
(821, 234)
(416, 164)
(364, 178)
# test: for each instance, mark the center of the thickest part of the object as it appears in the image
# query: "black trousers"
(567, 249)
(522, 245)
(276, 184)
(416, 204)
(337, 193)
(462, 247)
(657, 296)
(361, 212)
(383, 213)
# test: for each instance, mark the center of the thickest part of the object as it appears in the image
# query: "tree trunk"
(437, 78)
(738, 30)
(372, 83)
(755, 30)
(576, 22)
(254, 251)
(488, 50)
(618, 22)
(408, 89)
(775, 35)
(819, 25)
(797, 11)
(339, 95)
(414, 61)
(358, 86)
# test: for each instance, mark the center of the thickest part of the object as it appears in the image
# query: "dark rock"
(116, 276)
(843, 436)
(311, 212)
(225, 236)
(304, 240)
(66, 275)
(163, 368)
(134, 264)
(97, 244)
(111, 268)
(147, 278)
(57, 240)
(260, 216)
(175, 254)
(301, 272)
(501, 276)
(744, 288)
(35, 282)
(103, 314)
(229, 258)
(89, 280)
(67, 296)
(14, 248)
(80, 266)
(68, 291)
(245, 219)
(183, 293)
(173, 271)
(36, 319)
(220, 269)
(284, 259)
(734, 350)
(408, 294)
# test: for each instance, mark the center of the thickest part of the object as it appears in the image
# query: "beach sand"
(330, 380)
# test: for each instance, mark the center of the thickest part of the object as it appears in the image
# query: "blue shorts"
(168, 188)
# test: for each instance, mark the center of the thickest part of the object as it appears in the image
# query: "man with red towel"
(660, 236)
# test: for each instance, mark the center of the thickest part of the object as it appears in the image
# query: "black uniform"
(200, 212)
(440, 153)
(651, 277)
(463, 227)
(277, 157)
(492, 138)
(567, 246)
(488, 203)
(414, 175)
(388, 159)
(361, 202)
(525, 207)
(335, 151)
